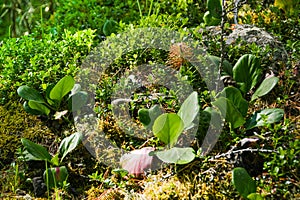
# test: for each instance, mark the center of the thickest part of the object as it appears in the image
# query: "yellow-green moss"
(17, 124)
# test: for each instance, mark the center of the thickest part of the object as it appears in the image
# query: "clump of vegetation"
(43, 45)
(16, 123)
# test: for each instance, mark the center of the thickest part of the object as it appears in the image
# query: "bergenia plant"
(57, 173)
(53, 99)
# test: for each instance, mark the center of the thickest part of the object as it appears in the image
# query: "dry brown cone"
(178, 55)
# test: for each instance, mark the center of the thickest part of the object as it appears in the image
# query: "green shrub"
(83, 14)
(34, 62)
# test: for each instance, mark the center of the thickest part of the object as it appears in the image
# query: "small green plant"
(57, 174)
(169, 126)
(148, 116)
(214, 14)
(244, 184)
(247, 74)
(52, 101)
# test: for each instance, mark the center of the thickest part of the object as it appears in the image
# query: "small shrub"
(37, 62)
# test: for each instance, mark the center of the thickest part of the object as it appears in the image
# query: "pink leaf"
(137, 161)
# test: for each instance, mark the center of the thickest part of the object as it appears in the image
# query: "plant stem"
(138, 3)
(47, 179)
(222, 44)
(16, 177)
(150, 9)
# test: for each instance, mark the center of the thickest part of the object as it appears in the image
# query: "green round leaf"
(176, 155)
(247, 72)
(144, 116)
(148, 116)
(69, 143)
(265, 87)
(168, 127)
(243, 182)
(109, 27)
(30, 94)
(234, 95)
(39, 107)
(264, 117)
(63, 87)
(215, 8)
(30, 110)
(229, 111)
(189, 110)
(210, 20)
(56, 176)
(255, 196)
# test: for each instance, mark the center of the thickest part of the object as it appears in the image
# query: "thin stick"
(243, 150)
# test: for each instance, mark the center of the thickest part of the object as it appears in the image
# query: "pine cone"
(178, 55)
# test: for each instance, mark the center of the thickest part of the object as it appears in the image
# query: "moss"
(17, 124)
(207, 180)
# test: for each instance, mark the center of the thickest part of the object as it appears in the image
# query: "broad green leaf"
(212, 117)
(69, 143)
(234, 95)
(247, 72)
(227, 67)
(189, 110)
(210, 20)
(30, 110)
(243, 182)
(29, 93)
(144, 116)
(176, 155)
(265, 87)
(48, 90)
(63, 87)
(264, 117)
(148, 116)
(109, 27)
(255, 196)
(168, 127)
(39, 107)
(37, 151)
(229, 111)
(215, 8)
(78, 100)
(56, 176)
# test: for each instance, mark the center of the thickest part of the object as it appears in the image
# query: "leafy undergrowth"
(269, 153)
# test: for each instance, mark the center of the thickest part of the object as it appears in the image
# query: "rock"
(39, 187)
(245, 34)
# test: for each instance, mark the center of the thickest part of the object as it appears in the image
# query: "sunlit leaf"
(37, 151)
(29, 93)
(176, 155)
(63, 87)
(264, 117)
(265, 87)
(168, 127)
(189, 110)
(247, 72)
